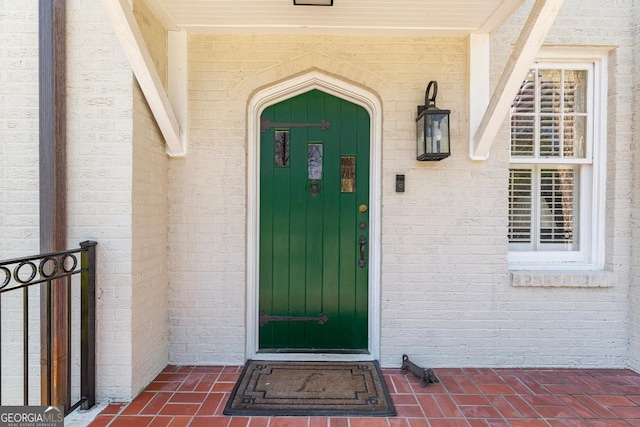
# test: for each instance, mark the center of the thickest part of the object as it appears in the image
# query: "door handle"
(363, 243)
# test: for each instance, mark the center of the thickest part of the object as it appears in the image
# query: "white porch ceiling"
(388, 17)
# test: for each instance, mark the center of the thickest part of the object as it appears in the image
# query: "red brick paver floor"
(195, 396)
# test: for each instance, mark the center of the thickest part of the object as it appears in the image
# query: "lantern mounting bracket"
(429, 101)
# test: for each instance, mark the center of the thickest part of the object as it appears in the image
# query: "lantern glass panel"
(433, 134)
(421, 148)
(437, 133)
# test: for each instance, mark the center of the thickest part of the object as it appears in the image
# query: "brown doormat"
(310, 388)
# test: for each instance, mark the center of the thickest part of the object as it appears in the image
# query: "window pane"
(314, 165)
(575, 136)
(549, 115)
(550, 91)
(281, 148)
(522, 135)
(520, 208)
(524, 101)
(557, 213)
(575, 91)
(550, 136)
(348, 174)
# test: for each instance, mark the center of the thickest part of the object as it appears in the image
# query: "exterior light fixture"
(313, 2)
(432, 126)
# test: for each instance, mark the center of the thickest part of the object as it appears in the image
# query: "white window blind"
(520, 207)
(542, 210)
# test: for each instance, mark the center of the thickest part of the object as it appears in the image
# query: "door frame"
(259, 101)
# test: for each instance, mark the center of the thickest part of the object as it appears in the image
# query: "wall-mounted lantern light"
(432, 125)
(313, 2)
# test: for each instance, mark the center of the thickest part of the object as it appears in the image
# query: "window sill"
(562, 279)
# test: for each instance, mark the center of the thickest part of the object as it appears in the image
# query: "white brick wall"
(19, 206)
(150, 224)
(634, 151)
(118, 196)
(99, 106)
(100, 129)
(446, 295)
(208, 189)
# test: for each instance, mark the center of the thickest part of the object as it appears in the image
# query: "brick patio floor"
(194, 396)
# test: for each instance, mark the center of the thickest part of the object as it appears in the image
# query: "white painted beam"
(536, 28)
(479, 81)
(178, 79)
(130, 37)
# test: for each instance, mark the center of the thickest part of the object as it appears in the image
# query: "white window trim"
(592, 204)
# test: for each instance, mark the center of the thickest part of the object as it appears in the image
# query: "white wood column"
(178, 80)
(479, 82)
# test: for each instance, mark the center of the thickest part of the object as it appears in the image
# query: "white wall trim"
(258, 102)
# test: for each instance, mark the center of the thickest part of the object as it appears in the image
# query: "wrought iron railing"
(47, 329)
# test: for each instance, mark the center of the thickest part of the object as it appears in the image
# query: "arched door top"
(314, 80)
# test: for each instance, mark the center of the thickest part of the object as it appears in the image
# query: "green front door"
(314, 225)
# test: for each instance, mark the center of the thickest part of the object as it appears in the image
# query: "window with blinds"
(549, 115)
(549, 125)
(542, 212)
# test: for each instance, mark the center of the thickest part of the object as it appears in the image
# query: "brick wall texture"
(634, 154)
(150, 282)
(100, 89)
(19, 231)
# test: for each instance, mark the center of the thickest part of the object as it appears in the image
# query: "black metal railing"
(47, 329)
